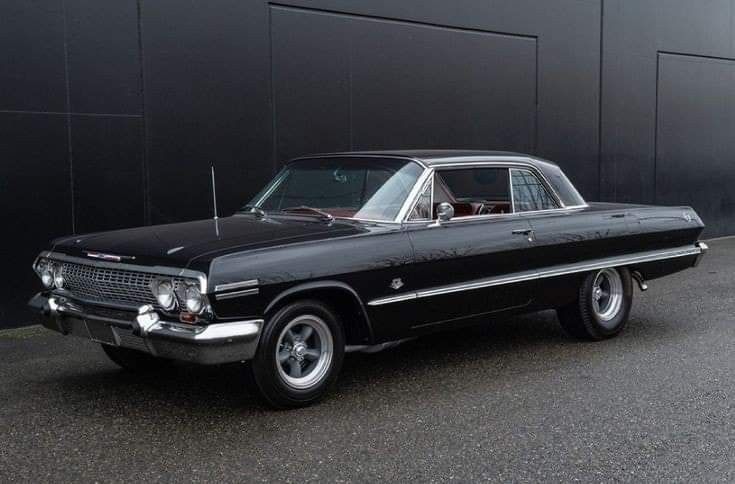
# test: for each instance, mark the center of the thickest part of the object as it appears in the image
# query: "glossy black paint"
(351, 263)
(195, 244)
(633, 98)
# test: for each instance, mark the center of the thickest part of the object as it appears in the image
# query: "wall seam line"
(274, 126)
(285, 6)
(655, 130)
(144, 123)
(70, 150)
(599, 102)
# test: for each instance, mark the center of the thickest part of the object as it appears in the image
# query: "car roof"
(436, 157)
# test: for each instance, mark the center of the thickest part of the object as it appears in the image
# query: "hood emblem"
(109, 257)
(396, 283)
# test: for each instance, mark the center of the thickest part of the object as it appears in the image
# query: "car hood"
(195, 244)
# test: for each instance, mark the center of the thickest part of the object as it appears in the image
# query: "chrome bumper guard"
(209, 345)
(703, 248)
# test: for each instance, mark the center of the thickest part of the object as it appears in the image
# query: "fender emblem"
(396, 283)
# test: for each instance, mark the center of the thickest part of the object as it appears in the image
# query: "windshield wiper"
(304, 208)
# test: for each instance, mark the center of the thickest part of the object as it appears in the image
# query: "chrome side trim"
(161, 270)
(236, 285)
(232, 295)
(553, 271)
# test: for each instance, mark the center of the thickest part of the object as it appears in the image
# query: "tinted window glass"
(367, 188)
(529, 193)
(473, 191)
(477, 184)
(562, 186)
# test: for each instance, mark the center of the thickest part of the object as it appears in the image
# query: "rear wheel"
(135, 361)
(299, 355)
(602, 307)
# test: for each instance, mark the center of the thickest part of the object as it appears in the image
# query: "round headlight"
(58, 276)
(45, 273)
(164, 292)
(193, 300)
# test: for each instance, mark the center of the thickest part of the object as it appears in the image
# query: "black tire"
(270, 374)
(582, 318)
(135, 361)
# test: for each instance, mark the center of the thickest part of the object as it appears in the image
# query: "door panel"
(457, 253)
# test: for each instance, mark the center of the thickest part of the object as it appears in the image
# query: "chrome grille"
(114, 286)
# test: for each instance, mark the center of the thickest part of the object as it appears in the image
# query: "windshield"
(363, 188)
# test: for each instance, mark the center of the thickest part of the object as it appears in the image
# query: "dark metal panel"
(103, 56)
(696, 138)
(32, 55)
(344, 81)
(35, 197)
(418, 86)
(634, 33)
(207, 101)
(311, 82)
(108, 172)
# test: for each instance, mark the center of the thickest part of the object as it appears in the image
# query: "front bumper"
(209, 345)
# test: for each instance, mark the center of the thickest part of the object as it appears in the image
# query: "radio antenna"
(214, 194)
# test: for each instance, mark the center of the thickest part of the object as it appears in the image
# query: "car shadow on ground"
(503, 347)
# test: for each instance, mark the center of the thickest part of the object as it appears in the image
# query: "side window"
(422, 210)
(473, 191)
(529, 194)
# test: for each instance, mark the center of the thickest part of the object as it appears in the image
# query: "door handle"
(527, 232)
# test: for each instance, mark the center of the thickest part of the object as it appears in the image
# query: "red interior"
(466, 209)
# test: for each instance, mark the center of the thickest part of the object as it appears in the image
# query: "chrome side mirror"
(444, 212)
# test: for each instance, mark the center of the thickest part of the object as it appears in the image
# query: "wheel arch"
(341, 297)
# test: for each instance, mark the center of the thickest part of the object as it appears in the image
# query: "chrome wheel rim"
(304, 352)
(607, 295)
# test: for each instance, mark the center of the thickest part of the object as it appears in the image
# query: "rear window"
(562, 186)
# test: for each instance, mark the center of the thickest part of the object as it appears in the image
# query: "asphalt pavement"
(513, 400)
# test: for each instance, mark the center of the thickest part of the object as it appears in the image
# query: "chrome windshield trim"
(236, 285)
(412, 207)
(275, 183)
(553, 271)
(162, 270)
(413, 195)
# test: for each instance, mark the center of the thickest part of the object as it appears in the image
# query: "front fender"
(334, 291)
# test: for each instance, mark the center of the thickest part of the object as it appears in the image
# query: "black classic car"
(352, 251)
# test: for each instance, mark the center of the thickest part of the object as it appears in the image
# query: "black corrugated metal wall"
(111, 112)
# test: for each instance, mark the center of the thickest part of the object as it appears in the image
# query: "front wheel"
(602, 306)
(299, 355)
